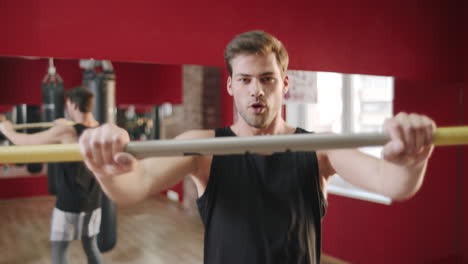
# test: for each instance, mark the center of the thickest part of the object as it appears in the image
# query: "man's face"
(257, 87)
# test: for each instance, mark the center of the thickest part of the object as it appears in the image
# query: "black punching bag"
(52, 108)
(33, 115)
(23, 114)
(102, 85)
(106, 81)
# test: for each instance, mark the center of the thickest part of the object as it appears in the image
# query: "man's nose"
(257, 89)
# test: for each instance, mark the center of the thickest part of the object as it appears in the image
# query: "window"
(341, 103)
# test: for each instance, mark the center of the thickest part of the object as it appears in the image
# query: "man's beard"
(257, 121)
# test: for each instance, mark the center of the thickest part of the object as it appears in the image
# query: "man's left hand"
(411, 139)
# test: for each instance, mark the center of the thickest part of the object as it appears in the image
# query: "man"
(76, 214)
(264, 208)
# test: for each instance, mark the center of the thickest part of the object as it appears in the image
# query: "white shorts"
(68, 226)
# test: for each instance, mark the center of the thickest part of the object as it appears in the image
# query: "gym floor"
(155, 231)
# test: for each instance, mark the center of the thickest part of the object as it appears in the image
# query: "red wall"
(415, 41)
(463, 180)
(404, 38)
(23, 187)
(148, 83)
(227, 104)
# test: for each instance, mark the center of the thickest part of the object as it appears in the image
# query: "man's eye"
(244, 80)
(268, 79)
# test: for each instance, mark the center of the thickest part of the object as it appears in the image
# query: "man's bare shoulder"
(64, 128)
(197, 133)
(64, 133)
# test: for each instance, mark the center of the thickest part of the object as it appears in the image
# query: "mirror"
(161, 101)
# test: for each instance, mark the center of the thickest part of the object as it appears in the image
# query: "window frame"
(299, 117)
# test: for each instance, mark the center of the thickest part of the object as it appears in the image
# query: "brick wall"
(200, 110)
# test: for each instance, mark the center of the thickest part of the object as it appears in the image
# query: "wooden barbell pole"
(224, 146)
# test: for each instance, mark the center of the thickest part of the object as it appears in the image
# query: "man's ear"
(285, 84)
(229, 85)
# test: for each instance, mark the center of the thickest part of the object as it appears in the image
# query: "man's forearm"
(16, 138)
(127, 188)
(401, 182)
(398, 182)
(53, 135)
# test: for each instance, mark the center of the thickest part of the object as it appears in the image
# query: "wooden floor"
(156, 231)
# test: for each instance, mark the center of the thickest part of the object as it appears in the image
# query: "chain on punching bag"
(52, 95)
(108, 88)
(91, 81)
(52, 108)
(102, 85)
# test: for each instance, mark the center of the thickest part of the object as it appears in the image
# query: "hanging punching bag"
(23, 114)
(102, 85)
(33, 115)
(108, 231)
(52, 108)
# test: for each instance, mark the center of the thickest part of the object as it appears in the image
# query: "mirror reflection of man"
(77, 213)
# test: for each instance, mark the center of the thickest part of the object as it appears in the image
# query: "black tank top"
(77, 189)
(262, 208)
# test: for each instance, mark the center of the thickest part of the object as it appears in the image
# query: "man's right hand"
(102, 148)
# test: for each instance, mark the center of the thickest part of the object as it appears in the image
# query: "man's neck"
(86, 119)
(277, 127)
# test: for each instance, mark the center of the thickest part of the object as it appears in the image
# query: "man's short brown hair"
(82, 97)
(256, 42)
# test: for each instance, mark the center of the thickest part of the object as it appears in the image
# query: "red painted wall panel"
(464, 180)
(23, 187)
(144, 83)
(403, 38)
(227, 103)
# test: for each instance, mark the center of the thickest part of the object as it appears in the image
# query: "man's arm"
(127, 180)
(54, 135)
(400, 174)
